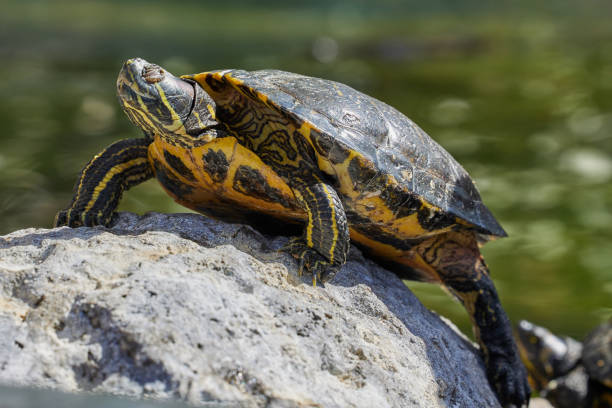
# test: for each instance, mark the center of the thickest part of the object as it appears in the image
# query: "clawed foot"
(74, 218)
(309, 258)
(509, 378)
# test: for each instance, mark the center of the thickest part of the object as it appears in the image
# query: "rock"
(182, 306)
(539, 403)
(29, 397)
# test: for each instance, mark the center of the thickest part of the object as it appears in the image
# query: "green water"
(521, 96)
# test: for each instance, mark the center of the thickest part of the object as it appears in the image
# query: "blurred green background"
(520, 94)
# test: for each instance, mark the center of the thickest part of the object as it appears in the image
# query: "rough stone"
(182, 306)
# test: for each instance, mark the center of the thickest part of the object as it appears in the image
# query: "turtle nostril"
(152, 73)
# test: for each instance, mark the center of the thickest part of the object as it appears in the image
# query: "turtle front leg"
(324, 246)
(103, 180)
(456, 259)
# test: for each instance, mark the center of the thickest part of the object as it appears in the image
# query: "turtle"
(274, 148)
(568, 373)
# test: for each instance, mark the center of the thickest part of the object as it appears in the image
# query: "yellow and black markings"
(391, 217)
(224, 177)
(103, 180)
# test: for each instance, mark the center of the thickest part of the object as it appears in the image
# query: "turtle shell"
(597, 354)
(348, 120)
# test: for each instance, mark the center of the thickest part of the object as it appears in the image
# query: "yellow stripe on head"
(177, 123)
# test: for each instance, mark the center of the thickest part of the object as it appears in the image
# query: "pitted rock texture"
(183, 306)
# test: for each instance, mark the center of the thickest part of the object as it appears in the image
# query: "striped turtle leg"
(102, 182)
(324, 246)
(457, 261)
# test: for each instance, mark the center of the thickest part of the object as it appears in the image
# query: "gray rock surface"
(30, 397)
(182, 306)
(539, 403)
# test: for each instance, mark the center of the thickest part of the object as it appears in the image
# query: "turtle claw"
(311, 260)
(322, 271)
(61, 219)
(74, 218)
(510, 381)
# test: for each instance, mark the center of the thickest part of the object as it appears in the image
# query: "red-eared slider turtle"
(568, 373)
(271, 147)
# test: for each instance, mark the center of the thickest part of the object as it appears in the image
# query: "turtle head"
(162, 104)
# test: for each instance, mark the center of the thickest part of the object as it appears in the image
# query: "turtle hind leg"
(456, 258)
(102, 182)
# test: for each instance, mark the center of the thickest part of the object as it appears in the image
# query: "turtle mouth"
(152, 90)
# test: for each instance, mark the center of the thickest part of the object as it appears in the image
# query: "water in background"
(520, 95)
